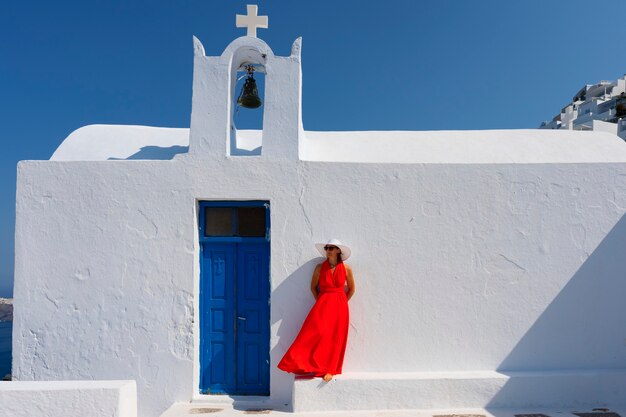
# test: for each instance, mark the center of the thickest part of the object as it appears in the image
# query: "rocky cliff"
(6, 309)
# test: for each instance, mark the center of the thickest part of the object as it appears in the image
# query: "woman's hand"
(350, 282)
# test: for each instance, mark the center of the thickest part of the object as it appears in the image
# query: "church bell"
(249, 96)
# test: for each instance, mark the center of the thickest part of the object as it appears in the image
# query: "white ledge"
(68, 398)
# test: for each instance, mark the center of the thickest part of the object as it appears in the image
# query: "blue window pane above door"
(218, 221)
(235, 221)
(251, 221)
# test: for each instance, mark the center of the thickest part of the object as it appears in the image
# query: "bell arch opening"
(247, 104)
(247, 97)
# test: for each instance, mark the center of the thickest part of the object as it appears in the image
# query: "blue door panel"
(252, 372)
(253, 318)
(218, 332)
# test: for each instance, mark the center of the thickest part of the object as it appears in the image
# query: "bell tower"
(214, 79)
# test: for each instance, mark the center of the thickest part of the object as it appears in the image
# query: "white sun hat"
(345, 250)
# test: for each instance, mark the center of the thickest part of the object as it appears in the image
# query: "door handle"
(240, 318)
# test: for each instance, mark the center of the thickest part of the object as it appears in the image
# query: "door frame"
(201, 240)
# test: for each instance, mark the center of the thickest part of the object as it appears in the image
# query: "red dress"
(320, 346)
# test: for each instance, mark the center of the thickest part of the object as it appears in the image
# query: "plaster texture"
(506, 261)
(68, 399)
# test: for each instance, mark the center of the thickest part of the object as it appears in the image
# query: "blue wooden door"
(234, 309)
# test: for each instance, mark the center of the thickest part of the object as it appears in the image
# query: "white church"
(168, 269)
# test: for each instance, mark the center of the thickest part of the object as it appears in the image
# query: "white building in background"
(489, 264)
(600, 106)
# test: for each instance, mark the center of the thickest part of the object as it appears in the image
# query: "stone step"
(569, 390)
(188, 409)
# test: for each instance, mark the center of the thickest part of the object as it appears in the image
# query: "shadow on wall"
(159, 153)
(291, 302)
(235, 151)
(295, 301)
(582, 328)
(155, 153)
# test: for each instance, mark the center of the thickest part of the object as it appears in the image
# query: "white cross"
(251, 20)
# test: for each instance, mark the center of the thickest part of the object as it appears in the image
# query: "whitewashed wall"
(481, 266)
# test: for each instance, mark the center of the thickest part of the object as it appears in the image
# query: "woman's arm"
(315, 280)
(350, 281)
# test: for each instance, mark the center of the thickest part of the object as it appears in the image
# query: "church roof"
(113, 142)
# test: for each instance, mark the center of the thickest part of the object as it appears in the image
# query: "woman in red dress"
(320, 346)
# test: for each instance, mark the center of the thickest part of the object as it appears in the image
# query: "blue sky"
(395, 65)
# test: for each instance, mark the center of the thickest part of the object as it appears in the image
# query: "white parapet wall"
(68, 399)
(578, 389)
